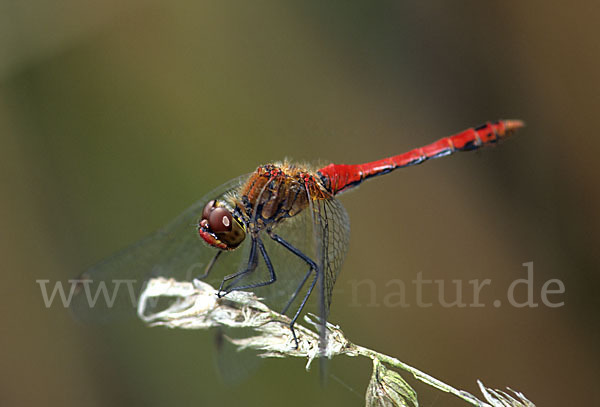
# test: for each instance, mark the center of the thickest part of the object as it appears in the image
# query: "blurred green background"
(114, 118)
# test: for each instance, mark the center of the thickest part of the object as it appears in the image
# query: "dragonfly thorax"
(275, 192)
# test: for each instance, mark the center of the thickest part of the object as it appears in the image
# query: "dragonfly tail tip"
(512, 125)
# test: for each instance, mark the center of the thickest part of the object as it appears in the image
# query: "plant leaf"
(387, 388)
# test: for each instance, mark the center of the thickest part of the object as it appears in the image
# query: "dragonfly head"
(219, 228)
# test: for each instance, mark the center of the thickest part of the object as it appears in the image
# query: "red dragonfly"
(281, 223)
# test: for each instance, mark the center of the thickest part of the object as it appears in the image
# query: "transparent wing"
(109, 290)
(234, 365)
(333, 236)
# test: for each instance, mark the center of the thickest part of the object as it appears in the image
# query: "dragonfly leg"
(252, 264)
(313, 267)
(292, 249)
(293, 297)
(265, 256)
(304, 300)
(301, 255)
(210, 265)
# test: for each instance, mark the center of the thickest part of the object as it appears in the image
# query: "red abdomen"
(340, 177)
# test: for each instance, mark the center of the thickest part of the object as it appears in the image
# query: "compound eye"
(208, 209)
(220, 220)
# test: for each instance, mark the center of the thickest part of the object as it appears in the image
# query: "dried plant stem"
(197, 306)
(417, 374)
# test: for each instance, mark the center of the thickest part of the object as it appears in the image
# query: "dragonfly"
(280, 223)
